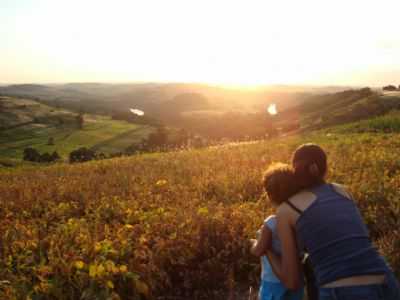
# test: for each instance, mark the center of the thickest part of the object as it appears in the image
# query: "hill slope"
(173, 224)
(153, 98)
(15, 112)
(326, 110)
(27, 123)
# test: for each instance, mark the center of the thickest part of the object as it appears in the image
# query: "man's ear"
(314, 170)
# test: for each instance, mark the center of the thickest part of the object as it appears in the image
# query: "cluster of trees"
(84, 154)
(156, 141)
(79, 155)
(231, 125)
(162, 139)
(31, 154)
(165, 139)
(391, 88)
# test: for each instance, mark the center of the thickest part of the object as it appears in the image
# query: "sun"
(272, 109)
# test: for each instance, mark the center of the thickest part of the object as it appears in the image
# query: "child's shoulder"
(270, 217)
(270, 221)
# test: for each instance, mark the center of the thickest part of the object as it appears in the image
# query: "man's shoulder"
(302, 196)
(296, 200)
(342, 190)
(301, 200)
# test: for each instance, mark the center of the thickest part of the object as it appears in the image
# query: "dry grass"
(173, 224)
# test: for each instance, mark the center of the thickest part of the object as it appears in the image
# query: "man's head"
(310, 165)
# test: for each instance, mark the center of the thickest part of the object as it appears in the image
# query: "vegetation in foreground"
(173, 224)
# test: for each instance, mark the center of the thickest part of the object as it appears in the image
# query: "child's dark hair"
(280, 183)
(310, 164)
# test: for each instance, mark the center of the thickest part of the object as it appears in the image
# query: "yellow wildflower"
(110, 284)
(142, 287)
(109, 266)
(100, 270)
(202, 211)
(161, 182)
(79, 264)
(123, 269)
(97, 247)
(92, 271)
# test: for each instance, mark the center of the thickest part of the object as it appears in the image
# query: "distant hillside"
(27, 123)
(214, 112)
(105, 98)
(388, 123)
(309, 112)
(16, 112)
(322, 111)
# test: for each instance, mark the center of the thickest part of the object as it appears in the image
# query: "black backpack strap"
(294, 207)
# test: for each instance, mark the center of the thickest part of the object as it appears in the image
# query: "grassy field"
(31, 124)
(173, 224)
(15, 112)
(388, 123)
(101, 133)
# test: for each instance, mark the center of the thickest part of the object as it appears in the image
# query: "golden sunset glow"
(272, 109)
(223, 42)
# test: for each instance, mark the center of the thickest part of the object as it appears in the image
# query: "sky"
(247, 42)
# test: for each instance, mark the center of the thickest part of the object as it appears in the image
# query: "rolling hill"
(326, 110)
(153, 98)
(27, 123)
(32, 123)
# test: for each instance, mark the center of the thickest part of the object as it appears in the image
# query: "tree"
(158, 139)
(182, 138)
(81, 155)
(389, 88)
(365, 92)
(50, 141)
(45, 158)
(31, 154)
(55, 156)
(197, 142)
(80, 120)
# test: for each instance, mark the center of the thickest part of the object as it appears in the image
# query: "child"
(280, 185)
